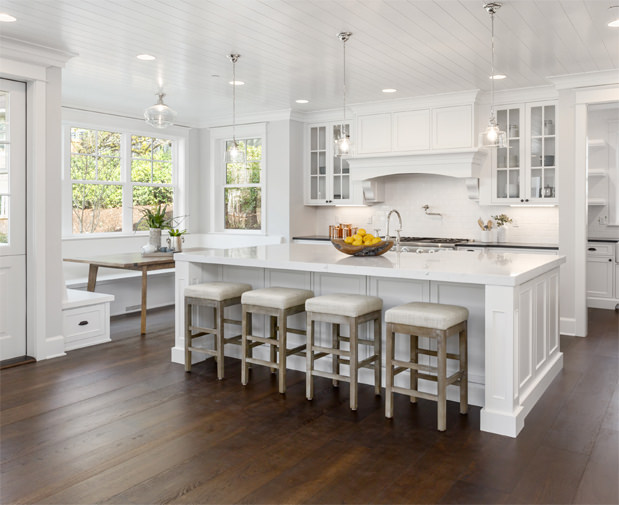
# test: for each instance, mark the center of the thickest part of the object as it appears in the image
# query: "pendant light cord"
(234, 100)
(344, 70)
(492, 60)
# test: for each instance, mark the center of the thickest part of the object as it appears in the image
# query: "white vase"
(154, 238)
(500, 234)
(486, 236)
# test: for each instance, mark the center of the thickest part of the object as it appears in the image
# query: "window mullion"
(125, 177)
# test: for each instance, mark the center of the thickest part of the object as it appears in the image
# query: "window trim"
(217, 179)
(126, 130)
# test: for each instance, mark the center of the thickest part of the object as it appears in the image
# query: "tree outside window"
(243, 188)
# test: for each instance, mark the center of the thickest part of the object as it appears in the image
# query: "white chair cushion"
(427, 315)
(276, 298)
(344, 304)
(218, 291)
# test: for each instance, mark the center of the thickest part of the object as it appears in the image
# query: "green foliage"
(501, 219)
(4, 239)
(156, 218)
(175, 232)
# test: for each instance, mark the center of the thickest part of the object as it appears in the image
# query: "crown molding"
(586, 79)
(27, 52)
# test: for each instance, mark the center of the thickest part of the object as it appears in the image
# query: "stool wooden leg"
(389, 337)
(377, 346)
(273, 335)
(309, 353)
(354, 370)
(464, 380)
(283, 337)
(219, 315)
(245, 347)
(414, 357)
(187, 337)
(441, 379)
(335, 343)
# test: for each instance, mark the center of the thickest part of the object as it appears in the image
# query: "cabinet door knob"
(82, 323)
(610, 259)
(592, 249)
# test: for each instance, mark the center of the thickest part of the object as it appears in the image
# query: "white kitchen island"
(513, 302)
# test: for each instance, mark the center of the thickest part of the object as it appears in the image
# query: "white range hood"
(451, 163)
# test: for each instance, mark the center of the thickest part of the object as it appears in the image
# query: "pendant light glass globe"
(234, 154)
(343, 144)
(160, 115)
(492, 136)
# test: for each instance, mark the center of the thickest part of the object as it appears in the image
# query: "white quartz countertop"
(474, 267)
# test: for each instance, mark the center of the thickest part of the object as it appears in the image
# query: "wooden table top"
(125, 260)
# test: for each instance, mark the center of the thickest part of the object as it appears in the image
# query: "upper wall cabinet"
(525, 170)
(415, 130)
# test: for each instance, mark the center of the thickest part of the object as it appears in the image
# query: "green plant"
(175, 232)
(156, 218)
(501, 219)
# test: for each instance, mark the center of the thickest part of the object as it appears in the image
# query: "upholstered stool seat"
(278, 303)
(435, 321)
(216, 295)
(352, 310)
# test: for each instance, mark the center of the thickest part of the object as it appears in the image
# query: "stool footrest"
(257, 361)
(368, 362)
(414, 366)
(232, 321)
(263, 340)
(330, 375)
(296, 350)
(412, 392)
(429, 352)
(203, 350)
(203, 331)
(330, 350)
(321, 355)
(293, 330)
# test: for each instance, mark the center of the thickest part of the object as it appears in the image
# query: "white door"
(12, 219)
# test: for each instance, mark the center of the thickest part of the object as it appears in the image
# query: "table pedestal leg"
(143, 322)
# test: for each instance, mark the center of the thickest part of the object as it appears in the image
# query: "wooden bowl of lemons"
(362, 244)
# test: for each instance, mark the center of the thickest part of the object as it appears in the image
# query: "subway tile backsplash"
(447, 196)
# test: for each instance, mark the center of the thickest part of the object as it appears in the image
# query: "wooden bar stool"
(217, 295)
(352, 310)
(435, 321)
(277, 303)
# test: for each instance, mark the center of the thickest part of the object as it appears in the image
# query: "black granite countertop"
(313, 237)
(611, 240)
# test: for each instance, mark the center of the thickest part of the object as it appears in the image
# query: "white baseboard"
(602, 303)
(567, 326)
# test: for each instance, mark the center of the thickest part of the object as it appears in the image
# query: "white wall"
(448, 196)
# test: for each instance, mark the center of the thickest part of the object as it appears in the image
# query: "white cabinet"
(85, 318)
(525, 170)
(600, 270)
(452, 127)
(439, 128)
(328, 179)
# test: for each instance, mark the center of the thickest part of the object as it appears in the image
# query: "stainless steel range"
(429, 244)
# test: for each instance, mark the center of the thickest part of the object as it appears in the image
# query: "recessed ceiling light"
(497, 77)
(236, 83)
(389, 90)
(613, 16)
(7, 18)
(302, 101)
(145, 57)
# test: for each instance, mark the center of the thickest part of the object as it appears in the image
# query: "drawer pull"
(82, 323)
(592, 249)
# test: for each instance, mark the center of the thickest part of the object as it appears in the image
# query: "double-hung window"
(114, 175)
(243, 187)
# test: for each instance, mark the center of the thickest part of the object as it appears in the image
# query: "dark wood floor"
(119, 423)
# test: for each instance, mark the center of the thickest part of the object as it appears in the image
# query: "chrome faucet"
(398, 231)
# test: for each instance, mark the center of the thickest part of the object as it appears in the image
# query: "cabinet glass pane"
(513, 130)
(501, 118)
(501, 157)
(514, 153)
(314, 163)
(501, 183)
(345, 166)
(549, 152)
(536, 121)
(345, 187)
(313, 188)
(549, 120)
(322, 133)
(536, 152)
(322, 163)
(313, 139)
(322, 189)
(549, 183)
(514, 184)
(337, 188)
(336, 166)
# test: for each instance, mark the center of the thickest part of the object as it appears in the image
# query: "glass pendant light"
(160, 115)
(342, 143)
(492, 136)
(235, 154)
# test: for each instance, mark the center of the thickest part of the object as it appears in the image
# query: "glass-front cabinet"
(328, 175)
(525, 170)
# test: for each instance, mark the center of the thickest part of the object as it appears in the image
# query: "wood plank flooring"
(119, 423)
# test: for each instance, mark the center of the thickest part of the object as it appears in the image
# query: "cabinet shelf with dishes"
(597, 190)
(524, 171)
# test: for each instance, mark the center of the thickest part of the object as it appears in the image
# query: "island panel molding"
(512, 299)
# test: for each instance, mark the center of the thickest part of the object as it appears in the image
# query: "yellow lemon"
(357, 242)
(361, 232)
(376, 240)
(368, 236)
(357, 237)
(349, 240)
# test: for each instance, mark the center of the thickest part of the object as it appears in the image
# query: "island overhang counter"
(512, 298)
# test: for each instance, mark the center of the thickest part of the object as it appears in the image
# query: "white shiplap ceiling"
(290, 49)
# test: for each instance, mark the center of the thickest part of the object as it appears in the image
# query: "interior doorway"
(13, 345)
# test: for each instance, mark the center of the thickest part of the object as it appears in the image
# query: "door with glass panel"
(508, 171)
(542, 175)
(12, 219)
